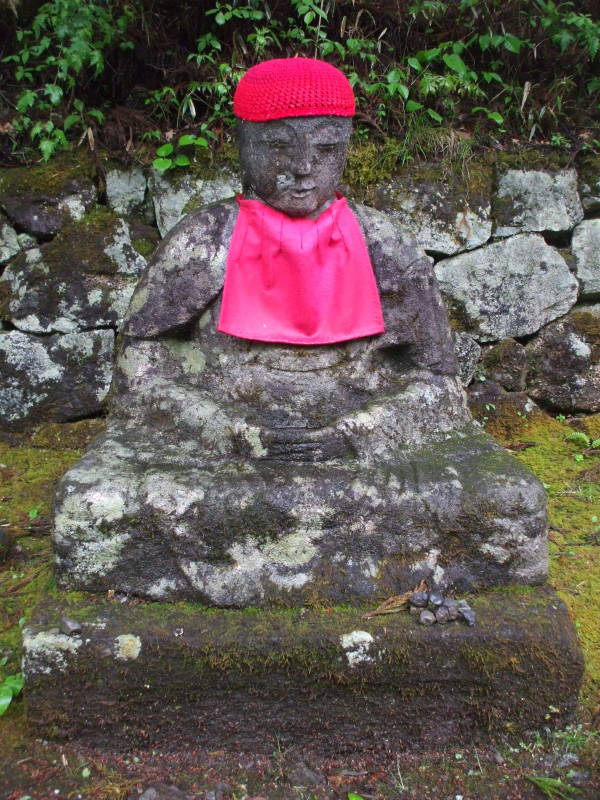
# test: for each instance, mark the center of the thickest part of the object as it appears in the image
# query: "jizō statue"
(287, 423)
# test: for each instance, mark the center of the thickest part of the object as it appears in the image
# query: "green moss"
(46, 179)
(145, 247)
(573, 505)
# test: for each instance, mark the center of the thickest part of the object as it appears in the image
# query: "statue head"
(295, 124)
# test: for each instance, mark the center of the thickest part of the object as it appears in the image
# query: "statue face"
(294, 164)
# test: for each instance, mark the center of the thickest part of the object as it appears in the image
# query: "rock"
(589, 185)
(443, 215)
(163, 792)
(499, 411)
(419, 599)
(26, 241)
(69, 626)
(41, 200)
(507, 289)
(53, 378)
(536, 200)
(174, 196)
(506, 363)
(125, 189)
(427, 617)
(303, 776)
(468, 352)
(567, 760)
(9, 241)
(222, 788)
(82, 279)
(586, 250)
(5, 545)
(414, 611)
(466, 612)
(435, 600)
(442, 615)
(564, 362)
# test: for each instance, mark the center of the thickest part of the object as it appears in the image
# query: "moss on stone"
(46, 179)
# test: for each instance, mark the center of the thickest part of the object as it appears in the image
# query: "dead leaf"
(396, 602)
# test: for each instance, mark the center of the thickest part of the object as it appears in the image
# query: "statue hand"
(304, 444)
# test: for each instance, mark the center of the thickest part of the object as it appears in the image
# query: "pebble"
(435, 599)
(303, 775)
(414, 611)
(69, 626)
(419, 599)
(442, 615)
(469, 616)
(427, 618)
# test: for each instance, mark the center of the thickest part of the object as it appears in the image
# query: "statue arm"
(185, 274)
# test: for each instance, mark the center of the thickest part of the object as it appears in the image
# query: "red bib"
(299, 281)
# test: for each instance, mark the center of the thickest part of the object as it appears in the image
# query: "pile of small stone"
(432, 607)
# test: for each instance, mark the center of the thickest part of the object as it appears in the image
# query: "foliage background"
(121, 74)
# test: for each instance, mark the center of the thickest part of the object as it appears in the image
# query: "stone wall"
(517, 256)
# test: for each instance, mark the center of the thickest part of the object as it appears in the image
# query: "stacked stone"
(434, 607)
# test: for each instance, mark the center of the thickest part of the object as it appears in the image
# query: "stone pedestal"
(145, 673)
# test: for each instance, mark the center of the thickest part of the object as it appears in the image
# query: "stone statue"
(238, 471)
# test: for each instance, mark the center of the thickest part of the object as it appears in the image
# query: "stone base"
(146, 674)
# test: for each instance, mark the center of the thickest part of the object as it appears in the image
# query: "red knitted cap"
(293, 87)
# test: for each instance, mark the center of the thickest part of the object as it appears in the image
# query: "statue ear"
(185, 274)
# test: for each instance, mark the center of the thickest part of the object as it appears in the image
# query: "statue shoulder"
(185, 273)
(395, 255)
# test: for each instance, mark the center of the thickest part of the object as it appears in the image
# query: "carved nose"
(302, 162)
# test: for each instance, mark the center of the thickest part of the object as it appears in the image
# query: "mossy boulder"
(41, 200)
(53, 378)
(586, 251)
(446, 212)
(82, 279)
(564, 362)
(536, 200)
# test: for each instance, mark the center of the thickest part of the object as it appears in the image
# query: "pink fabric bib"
(299, 281)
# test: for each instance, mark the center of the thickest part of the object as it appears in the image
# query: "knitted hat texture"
(293, 87)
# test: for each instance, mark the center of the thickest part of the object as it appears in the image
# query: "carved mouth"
(300, 193)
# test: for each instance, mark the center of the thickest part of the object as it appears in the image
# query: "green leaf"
(455, 62)
(165, 150)
(512, 43)
(352, 796)
(54, 92)
(6, 697)
(94, 112)
(186, 139)
(85, 772)
(182, 160)
(414, 63)
(70, 121)
(579, 437)
(434, 115)
(200, 141)
(15, 683)
(220, 18)
(595, 444)
(162, 164)
(26, 100)
(496, 117)
(47, 147)
(412, 105)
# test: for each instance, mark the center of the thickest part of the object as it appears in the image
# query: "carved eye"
(278, 144)
(327, 147)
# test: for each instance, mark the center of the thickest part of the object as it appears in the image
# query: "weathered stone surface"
(468, 353)
(175, 196)
(9, 242)
(82, 279)
(564, 362)
(265, 473)
(589, 185)
(444, 216)
(535, 200)
(125, 189)
(506, 363)
(40, 202)
(586, 250)
(53, 378)
(177, 675)
(507, 289)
